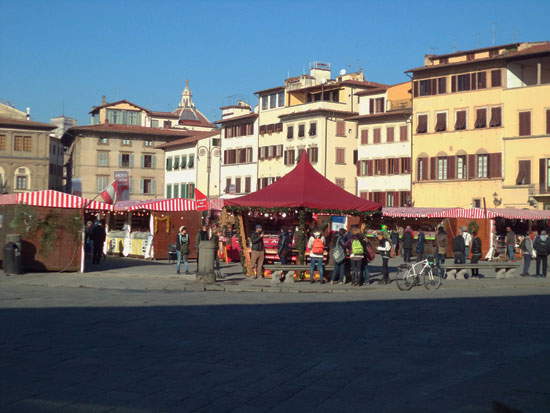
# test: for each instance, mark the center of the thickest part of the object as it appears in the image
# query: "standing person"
(476, 253)
(316, 247)
(300, 244)
(459, 248)
(357, 252)
(258, 251)
(218, 250)
(542, 248)
(420, 245)
(182, 250)
(394, 237)
(510, 243)
(98, 239)
(441, 242)
(384, 248)
(339, 255)
(88, 243)
(467, 242)
(284, 245)
(407, 244)
(526, 247)
(202, 235)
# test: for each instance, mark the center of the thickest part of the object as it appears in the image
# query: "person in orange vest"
(316, 247)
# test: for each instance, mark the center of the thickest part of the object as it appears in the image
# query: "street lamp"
(213, 149)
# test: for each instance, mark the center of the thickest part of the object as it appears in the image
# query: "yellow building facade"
(467, 143)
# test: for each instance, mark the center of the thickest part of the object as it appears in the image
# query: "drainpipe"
(411, 138)
(326, 147)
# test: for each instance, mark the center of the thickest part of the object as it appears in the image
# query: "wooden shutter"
(358, 168)
(376, 133)
(542, 176)
(396, 200)
(471, 166)
(370, 167)
(460, 120)
(364, 137)
(496, 117)
(403, 133)
(422, 126)
(433, 168)
(453, 83)
(524, 123)
(524, 173)
(548, 121)
(433, 86)
(451, 167)
(285, 157)
(389, 134)
(495, 165)
(371, 104)
(481, 118)
(473, 81)
(340, 128)
(496, 78)
(441, 123)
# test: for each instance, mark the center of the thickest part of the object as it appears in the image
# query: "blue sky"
(67, 54)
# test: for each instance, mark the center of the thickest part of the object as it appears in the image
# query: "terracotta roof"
(190, 115)
(320, 110)
(331, 85)
(96, 108)
(530, 51)
(130, 129)
(273, 89)
(235, 107)
(195, 137)
(372, 91)
(164, 114)
(482, 49)
(24, 124)
(391, 113)
(247, 116)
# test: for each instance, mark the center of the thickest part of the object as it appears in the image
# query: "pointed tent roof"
(304, 187)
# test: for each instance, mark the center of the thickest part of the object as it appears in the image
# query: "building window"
(496, 78)
(148, 186)
(460, 123)
(123, 117)
(22, 144)
(169, 190)
(313, 129)
(481, 118)
(377, 133)
(101, 182)
(441, 122)
(422, 124)
(148, 161)
(281, 98)
(168, 164)
(341, 128)
(125, 160)
(476, 203)
(21, 182)
(442, 168)
(524, 123)
(403, 133)
(289, 132)
(154, 123)
(227, 185)
(301, 130)
(176, 164)
(3, 142)
(191, 161)
(126, 142)
(524, 173)
(102, 158)
(248, 184)
(272, 101)
(364, 137)
(340, 156)
(389, 134)
(264, 102)
(461, 167)
(441, 85)
(103, 141)
(176, 191)
(389, 199)
(548, 121)
(463, 82)
(481, 80)
(425, 88)
(313, 154)
(148, 143)
(496, 117)
(482, 166)
(167, 124)
(341, 182)
(422, 169)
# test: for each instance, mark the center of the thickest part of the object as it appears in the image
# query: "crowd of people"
(94, 240)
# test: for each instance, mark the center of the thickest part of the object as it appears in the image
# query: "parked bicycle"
(424, 272)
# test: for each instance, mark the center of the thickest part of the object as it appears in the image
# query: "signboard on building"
(122, 180)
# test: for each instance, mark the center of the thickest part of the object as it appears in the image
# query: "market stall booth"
(303, 198)
(48, 227)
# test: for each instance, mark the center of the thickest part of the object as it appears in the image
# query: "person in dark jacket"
(98, 238)
(542, 248)
(394, 237)
(407, 244)
(88, 243)
(182, 250)
(258, 251)
(420, 245)
(476, 253)
(384, 248)
(510, 243)
(441, 242)
(459, 248)
(284, 245)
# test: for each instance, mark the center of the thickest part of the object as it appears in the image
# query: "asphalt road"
(458, 349)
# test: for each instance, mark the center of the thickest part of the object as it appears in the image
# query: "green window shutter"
(183, 190)
(143, 161)
(191, 161)
(183, 161)
(176, 192)
(169, 191)
(138, 118)
(192, 191)
(168, 164)
(153, 187)
(153, 161)
(141, 186)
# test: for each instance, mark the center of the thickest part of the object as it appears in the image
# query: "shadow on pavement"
(436, 355)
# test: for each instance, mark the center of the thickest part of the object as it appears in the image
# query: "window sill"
(457, 180)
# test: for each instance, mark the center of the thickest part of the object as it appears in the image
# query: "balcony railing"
(399, 104)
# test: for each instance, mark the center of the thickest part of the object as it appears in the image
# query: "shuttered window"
(481, 81)
(495, 165)
(290, 132)
(389, 134)
(433, 168)
(524, 123)
(403, 133)
(422, 126)
(377, 133)
(341, 128)
(441, 122)
(548, 121)
(301, 130)
(496, 78)
(460, 123)
(364, 137)
(481, 118)
(544, 173)
(380, 167)
(405, 165)
(461, 167)
(524, 173)
(471, 166)
(482, 166)
(313, 154)
(442, 85)
(370, 167)
(496, 117)
(451, 168)
(421, 169)
(340, 156)
(463, 82)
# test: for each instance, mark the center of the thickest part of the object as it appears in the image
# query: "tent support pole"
(244, 245)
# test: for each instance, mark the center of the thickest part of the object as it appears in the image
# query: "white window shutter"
(131, 160)
(153, 186)
(153, 161)
(141, 186)
(143, 161)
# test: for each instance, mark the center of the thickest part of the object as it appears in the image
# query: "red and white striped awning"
(473, 213)
(54, 199)
(166, 205)
(526, 214)
(410, 212)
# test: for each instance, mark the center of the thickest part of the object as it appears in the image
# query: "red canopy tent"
(304, 187)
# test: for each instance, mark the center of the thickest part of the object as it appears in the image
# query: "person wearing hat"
(182, 250)
(316, 247)
(257, 253)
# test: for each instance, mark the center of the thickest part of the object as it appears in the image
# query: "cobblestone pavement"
(134, 342)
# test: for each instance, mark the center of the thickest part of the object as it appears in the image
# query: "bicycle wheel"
(432, 279)
(405, 279)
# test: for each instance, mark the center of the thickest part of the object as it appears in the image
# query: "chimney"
(28, 113)
(103, 100)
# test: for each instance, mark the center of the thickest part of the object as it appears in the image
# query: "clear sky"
(64, 55)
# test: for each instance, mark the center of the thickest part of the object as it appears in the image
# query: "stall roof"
(473, 213)
(53, 199)
(304, 187)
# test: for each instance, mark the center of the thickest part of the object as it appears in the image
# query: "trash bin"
(12, 259)
(205, 270)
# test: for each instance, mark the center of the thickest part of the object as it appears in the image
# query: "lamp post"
(209, 151)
